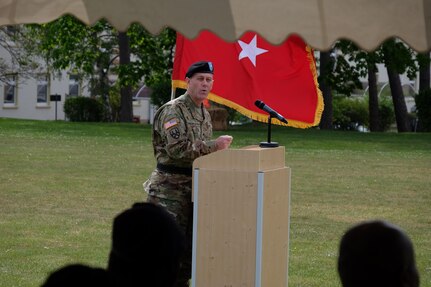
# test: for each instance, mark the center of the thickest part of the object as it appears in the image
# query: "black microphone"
(261, 105)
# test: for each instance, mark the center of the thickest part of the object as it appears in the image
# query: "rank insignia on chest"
(170, 123)
(174, 133)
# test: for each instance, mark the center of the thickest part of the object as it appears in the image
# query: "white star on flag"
(250, 50)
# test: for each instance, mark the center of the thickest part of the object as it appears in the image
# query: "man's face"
(199, 86)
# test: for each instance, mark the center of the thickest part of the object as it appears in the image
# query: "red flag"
(284, 77)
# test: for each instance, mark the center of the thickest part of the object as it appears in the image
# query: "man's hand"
(223, 142)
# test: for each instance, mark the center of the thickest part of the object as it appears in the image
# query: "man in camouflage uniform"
(182, 132)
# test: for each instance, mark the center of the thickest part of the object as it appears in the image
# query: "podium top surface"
(250, 158)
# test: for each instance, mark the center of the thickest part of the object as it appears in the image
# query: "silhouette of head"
(75, 275)
(377, 253)
(147, 245)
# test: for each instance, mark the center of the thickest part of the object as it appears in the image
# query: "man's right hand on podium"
(223, 142)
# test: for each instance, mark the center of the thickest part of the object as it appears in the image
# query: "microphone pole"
(261, 105)
(269, 143)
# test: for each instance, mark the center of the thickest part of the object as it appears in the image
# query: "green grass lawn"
(62, 183)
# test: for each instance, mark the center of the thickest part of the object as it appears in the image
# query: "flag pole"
(173, 93)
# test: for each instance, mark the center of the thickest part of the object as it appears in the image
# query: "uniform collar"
(190, 101)
(197, 111)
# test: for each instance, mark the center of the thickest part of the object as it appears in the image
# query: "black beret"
(200, 67)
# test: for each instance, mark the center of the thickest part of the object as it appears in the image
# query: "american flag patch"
(170, 123)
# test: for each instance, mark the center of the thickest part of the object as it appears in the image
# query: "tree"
(105, 56)
(423, 98)
(373, 101)
(67, 43)
(347, 64)
(398, 59)
(22, 64)
(155, 55)
(423, 60)
(358, 63)
(325, 68)
(126, 108)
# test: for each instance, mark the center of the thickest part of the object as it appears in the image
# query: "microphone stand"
(269, 143)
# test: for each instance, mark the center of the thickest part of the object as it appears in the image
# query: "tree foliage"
(403, 58)
(22, 60)
(68, 44)
(93, 52)
(352, 113)
(154, 54)
(399, 59)
(347, 68)
(154, 60)
(354, 63)
(364, 64)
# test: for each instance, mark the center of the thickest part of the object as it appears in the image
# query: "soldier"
(182, 132)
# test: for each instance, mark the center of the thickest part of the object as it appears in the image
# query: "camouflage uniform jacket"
(182, 132)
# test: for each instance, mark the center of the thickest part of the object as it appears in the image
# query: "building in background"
(30, 98)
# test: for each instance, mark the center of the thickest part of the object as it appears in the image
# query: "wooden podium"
(241, 218)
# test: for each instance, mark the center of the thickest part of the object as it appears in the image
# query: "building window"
(73, 85)
(10, 90)
(42, 88)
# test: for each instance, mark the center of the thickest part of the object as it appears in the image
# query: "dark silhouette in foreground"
(75, 275)
(147, 245)
(377, 254)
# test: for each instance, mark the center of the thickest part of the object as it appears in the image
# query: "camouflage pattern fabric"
(173, 192)
(182, 132)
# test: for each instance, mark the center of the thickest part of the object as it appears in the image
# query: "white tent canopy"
(319, 22)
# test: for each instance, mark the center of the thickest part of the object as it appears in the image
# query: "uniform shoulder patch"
(171, 123)
(175, 133)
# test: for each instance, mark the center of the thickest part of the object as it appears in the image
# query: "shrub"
(349, 114)
(423, 106)
(114, 102)
(83, 109)
(386, 113)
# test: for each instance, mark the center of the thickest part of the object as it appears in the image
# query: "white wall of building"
(26, 105)
(143, 109)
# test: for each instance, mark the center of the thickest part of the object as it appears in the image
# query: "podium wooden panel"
(241, 218)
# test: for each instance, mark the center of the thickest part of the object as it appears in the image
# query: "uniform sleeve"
(181, 141)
